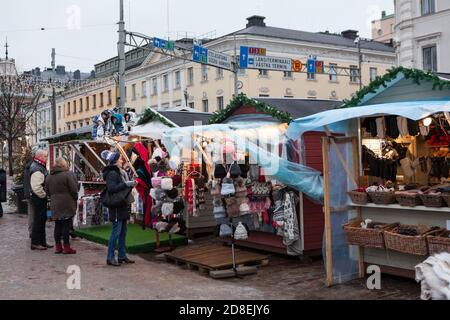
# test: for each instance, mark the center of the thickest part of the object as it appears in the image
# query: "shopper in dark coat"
(62, 188)
(116, 181)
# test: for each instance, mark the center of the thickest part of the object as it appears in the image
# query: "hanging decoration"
(243, 100)
(418, 76)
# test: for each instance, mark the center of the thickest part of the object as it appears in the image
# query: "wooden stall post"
(356, 164)
(327, 209)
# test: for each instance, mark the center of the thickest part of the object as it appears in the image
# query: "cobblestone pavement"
(26, 274)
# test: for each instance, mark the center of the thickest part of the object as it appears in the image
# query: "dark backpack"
(27, 181)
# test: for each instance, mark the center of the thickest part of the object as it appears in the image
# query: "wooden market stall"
(393, 164)
(152, 125)
(307, 152)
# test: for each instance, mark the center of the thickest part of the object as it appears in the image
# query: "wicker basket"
(359, 197)
(432, 201)
(446, 198)
(381, 198)
(408, 199)
(369, 238)
(415, 245)
(439, 242)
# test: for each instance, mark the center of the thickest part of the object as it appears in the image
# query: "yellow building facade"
(84, 102)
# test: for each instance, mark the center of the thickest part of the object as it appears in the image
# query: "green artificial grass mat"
(138, 240)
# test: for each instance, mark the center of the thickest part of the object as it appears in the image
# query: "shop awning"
(252, 136)
(152, 130)
(414, 110)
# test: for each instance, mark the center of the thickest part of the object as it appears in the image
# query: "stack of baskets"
(382, 198)
(359, 197)
(408, 199)
(432, 200)
(414, 245)
(370, 238)
(439, 242)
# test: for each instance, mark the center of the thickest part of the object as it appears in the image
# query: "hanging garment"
(381, 128)
(402, 124)
(370, 125)
(392, 127)
(424, 130)
(407, 167)
(413, 128)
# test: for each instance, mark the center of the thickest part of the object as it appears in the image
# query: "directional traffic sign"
(243, 59)
(163, 44)
(210, 57)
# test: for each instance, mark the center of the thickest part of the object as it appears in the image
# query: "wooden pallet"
(213, 257)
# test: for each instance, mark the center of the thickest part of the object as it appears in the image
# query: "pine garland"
(418, 76)
(243, 100)
(150, 115)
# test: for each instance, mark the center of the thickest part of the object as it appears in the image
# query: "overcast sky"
(84, 32)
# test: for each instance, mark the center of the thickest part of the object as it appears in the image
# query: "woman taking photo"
(62, 188)
(118, 186)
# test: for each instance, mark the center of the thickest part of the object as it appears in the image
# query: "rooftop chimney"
(257, 21)
(350, 34)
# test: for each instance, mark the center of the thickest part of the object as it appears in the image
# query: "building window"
(68, 127)
(59, 112)
(288, 74)
(177, 79)
(81, 105)
(133, 92)
(219, 103)
(428, 6)
(263, 73)
(81, 124)
(74, 126)
(155, 86)
(332, 72)
(75, 107)
(68, 108)
(166, 82)
(59, 130)
(205, 106)
(373, 74)
(191, 76)
(126, 94)
(430, 59)
(87, 104)
(354, 74)
(101, 99)
(94, 102)
(191, 105)
(311, 76)
(219, 74)
(109, 97)
(204, 72)
(144, 89)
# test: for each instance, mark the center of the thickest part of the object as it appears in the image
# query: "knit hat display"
(173, 193)
(110, 157)
(241, 232)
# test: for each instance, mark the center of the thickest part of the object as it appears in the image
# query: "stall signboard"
(163, 44)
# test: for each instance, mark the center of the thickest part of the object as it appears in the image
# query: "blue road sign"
(200, 54)
(243, 60)
(311, 66)
(163, 44)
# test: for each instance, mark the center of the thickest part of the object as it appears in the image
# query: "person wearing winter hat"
(116, 181)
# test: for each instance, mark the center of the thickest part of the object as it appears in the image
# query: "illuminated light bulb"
(427, 122)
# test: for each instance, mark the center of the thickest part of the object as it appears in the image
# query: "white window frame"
(220, 103)
(144, 89)
(332, 72)
(177, 80)
(373, 73)
(190, 76)
(433, 63)
(205, 105)
(204, 73)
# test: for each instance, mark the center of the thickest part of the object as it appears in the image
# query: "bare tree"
(18, 102)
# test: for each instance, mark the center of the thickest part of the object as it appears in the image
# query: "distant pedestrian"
(117, 181)
(38, 174)
(27, 195)
(3, 181)
(62, 188)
